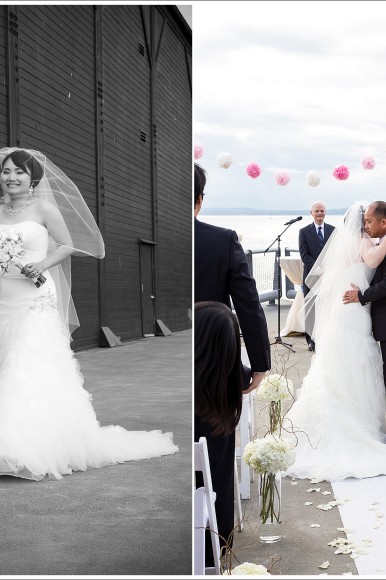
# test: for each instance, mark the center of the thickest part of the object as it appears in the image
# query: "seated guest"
(218, 384)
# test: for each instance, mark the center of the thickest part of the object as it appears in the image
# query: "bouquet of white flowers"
(274, 389)
(11, 250)
(249, 569)
(269, 454)
(268, 457)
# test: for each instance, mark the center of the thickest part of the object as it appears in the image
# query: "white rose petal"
(294, 482)
(317, 489)
(324, 565)
(325, 507)
(326, 492)
(343, 551)
(308, 502)
(314, 525)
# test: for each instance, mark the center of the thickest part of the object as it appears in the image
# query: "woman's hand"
(32, 270)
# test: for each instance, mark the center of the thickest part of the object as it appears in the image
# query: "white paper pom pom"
(225, 160)
(313, 178)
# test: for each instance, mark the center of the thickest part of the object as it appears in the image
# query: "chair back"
(204, 513)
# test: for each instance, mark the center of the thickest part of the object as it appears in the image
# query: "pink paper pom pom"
(253, 170)
(368, 162)
(282, 178)
(198, 151)
(341, 172)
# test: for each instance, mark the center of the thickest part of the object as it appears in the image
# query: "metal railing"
(264, 268)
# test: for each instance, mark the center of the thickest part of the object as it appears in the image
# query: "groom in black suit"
(375, 227)
(311, 242)
(221, 274)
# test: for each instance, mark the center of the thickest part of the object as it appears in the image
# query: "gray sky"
(293, 86)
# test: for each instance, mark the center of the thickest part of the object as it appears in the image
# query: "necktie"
(320, 234)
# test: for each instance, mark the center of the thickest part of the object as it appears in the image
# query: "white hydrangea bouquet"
(249, 569)
(269, 453)
(274, 389)
(11, 251)
(269, 456)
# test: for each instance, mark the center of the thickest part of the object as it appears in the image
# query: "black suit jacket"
(221, 273)
(376, 294)
(310, 246)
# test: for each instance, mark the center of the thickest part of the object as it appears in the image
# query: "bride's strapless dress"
(47, 423)
(339, 414)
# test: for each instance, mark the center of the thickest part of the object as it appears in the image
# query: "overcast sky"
(293, 86)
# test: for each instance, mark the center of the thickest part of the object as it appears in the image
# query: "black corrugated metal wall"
(105, 92)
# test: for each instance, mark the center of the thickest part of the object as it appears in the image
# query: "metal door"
(147, 288)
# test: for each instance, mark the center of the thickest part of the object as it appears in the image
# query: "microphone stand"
(278, 339)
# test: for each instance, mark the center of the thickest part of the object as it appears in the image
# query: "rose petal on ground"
(324, 565)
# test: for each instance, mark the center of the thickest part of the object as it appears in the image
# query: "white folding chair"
(238, 510)
(204, 513)
(246, 428)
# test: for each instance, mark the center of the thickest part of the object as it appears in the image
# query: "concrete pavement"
(303, 548)
(128, 519)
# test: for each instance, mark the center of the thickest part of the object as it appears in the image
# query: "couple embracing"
(338, 418)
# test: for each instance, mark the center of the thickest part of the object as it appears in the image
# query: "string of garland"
(282, 177)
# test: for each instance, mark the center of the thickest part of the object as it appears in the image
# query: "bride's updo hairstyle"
(27, 163)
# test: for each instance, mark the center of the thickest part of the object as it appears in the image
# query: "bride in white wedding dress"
(338, 418)
(47, 423)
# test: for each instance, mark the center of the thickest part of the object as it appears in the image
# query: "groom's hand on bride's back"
(351, 295)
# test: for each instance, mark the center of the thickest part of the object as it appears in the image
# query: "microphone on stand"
(293, 221)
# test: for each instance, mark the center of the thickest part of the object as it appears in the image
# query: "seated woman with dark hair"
(218, 405)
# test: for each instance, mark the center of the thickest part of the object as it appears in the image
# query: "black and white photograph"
(95, 289)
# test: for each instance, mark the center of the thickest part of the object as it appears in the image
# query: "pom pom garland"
(341, 172)
(253, 170)
(198, 151)
(282, 178)
(225, 160)
(368, 163)
(313, 178)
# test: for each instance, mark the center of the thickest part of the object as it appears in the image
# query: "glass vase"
(269, 485)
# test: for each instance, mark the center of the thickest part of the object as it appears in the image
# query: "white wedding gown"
(47, 423)
(339, 414)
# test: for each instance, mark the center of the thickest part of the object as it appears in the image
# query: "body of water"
(257, 232)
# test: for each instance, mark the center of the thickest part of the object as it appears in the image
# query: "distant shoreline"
(254, 211)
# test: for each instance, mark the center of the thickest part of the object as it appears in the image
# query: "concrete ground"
(128, 519)
(302, 548)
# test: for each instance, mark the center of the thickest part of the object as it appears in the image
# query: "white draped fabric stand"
(293, 269)
(364, 512)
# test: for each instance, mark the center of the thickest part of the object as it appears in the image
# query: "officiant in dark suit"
(312, 239)
(375, 227)
(221, 274)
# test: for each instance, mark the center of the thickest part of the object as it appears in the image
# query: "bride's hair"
(217, 367)
(27, 163)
